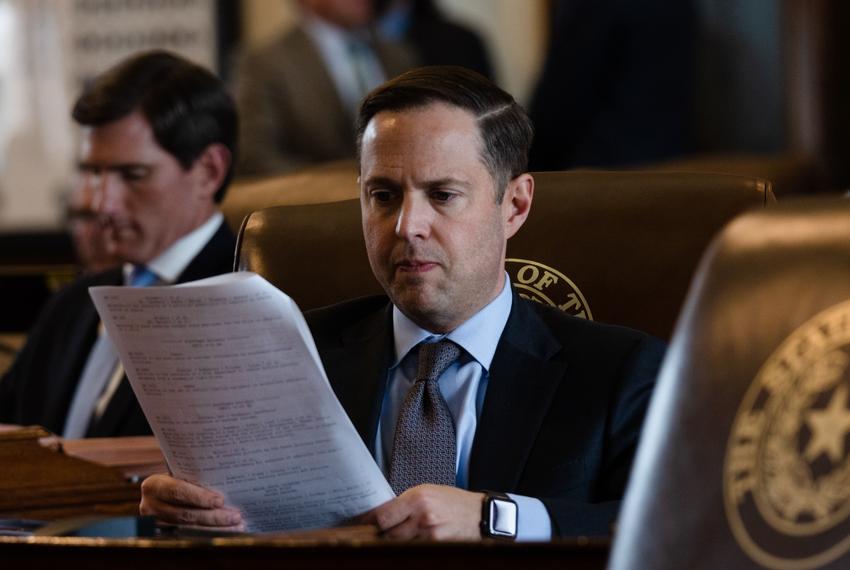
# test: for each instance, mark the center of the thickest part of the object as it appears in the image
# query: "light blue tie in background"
(100, 367)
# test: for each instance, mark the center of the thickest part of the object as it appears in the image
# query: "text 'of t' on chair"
(743, 461)
(617, 247)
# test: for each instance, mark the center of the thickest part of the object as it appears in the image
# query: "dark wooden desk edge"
(260, 552)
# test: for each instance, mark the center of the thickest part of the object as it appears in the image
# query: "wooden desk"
(42, 482)
(283, 553)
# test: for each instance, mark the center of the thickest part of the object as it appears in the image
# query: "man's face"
(87, 231)
(144, 198)
(434, 232)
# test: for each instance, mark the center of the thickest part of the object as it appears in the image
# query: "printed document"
(230, 380)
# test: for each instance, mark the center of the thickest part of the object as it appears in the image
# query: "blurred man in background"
(159, 141)
(298, 95)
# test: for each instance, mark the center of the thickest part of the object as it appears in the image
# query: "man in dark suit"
(159, 140)
(455, 383)
(436, 39)
(617, 86)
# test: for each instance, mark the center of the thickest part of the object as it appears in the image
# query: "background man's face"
(144, 197)
(87, 231)
(434, 233)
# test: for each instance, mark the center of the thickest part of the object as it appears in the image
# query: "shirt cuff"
(533, 522)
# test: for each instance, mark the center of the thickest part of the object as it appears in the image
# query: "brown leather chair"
(790, 173)
(612, 246)
(314, 253)
(628, 241)
(329, 182)
(744, 458)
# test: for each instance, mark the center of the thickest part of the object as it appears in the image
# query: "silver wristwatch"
(499, 516)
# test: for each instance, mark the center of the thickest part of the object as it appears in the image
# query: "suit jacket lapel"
(215, 258)
(323, 92)
(358, 372)
(523, 378)
(79, 344)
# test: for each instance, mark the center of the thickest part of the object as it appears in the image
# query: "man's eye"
(135, 174)
(441, 196)
(382, 196)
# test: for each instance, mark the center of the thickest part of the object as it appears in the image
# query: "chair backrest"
(329, 182)
(790, 173)
(614, 247)
(743, 461)
(628, 242)
(315, 253)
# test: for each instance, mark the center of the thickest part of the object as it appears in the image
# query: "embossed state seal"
(544, 284)
(787, 470)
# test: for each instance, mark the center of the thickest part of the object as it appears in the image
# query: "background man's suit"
(562, 413)
(291, 114)
(39, 388)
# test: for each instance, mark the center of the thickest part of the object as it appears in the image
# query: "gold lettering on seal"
(545, 281)
(522, 274)
(543, 284)
(743, 454)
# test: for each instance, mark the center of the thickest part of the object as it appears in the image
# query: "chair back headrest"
(744, 460)
(315, 253)
(328, 182)
(617, 247)
(621, 247)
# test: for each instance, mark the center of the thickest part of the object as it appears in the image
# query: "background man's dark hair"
(505, 128)
(187, 107)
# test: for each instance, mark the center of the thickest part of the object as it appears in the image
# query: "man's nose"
(106, 192)
(414, 218)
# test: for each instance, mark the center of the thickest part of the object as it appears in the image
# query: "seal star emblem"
(829, 427)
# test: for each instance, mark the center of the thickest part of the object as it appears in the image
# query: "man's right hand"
(182, 503)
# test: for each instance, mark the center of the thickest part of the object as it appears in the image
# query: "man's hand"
(435, 512)
(179, 502)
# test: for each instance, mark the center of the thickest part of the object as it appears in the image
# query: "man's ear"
(516, 203)
(211, 168)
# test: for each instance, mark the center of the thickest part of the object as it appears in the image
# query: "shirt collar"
(329, 36)
(169, 264)
(478, 336)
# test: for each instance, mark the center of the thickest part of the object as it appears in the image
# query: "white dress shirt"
(353, 74)
(169, 264)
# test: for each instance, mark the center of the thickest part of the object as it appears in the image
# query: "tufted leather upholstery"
(744, 447)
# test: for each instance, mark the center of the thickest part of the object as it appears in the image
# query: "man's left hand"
(433, 512)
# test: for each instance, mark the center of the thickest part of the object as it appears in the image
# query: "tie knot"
(141, 276)
(435, 357)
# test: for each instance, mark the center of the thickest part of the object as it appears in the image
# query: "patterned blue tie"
(425, 448)
(99, 369)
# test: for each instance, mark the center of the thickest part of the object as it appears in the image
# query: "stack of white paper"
(229, 378)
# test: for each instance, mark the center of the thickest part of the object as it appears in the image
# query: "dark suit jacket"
(440, 41)
(617, 85)
(39, 387)
(563, 409)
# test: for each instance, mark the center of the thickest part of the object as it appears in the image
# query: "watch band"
(499, 516)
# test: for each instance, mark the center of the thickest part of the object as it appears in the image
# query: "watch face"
(503, 517)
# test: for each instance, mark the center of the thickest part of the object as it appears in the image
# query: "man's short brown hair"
(505, 128)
